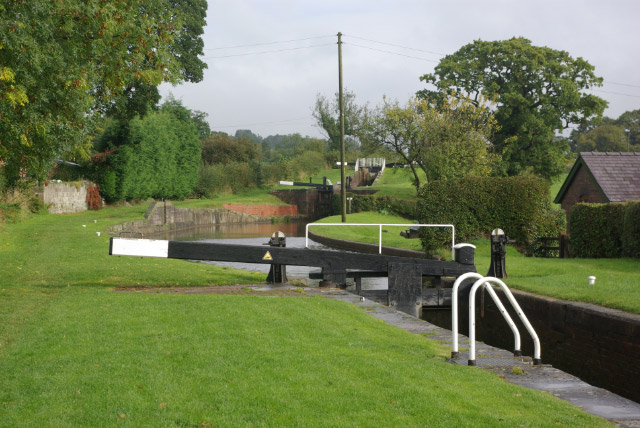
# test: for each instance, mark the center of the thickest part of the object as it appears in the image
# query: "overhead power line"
(622, 84)
(616, 93)
(272, 51)
(263, 123)
(268, 43)
(392, 53)
(396, 46)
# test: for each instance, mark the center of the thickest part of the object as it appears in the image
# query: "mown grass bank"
(100, 358)
(74, 352)
(617, 284)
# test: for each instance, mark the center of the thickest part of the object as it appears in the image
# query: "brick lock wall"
(304, 199)
(599, 345)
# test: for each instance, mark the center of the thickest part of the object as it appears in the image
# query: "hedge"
(605, 230)
(477, 205)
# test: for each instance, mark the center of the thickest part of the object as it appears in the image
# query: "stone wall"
(161, 218)
(65, 197)
(599, 345)
(160, 213)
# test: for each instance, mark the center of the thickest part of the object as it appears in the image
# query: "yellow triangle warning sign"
(267, 256)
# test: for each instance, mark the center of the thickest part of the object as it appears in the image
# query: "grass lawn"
(254, 196)
(74, 352)
(99, 358)
(369, 234)
(617, 285)
(396, 182)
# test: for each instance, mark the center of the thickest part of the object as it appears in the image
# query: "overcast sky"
(273, 93)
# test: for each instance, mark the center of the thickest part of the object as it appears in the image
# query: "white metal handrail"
(472, 319)
(454, 314)
(453, 231)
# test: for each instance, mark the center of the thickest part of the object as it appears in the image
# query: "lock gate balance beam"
(405, 274)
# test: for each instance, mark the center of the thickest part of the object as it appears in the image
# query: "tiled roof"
(617, 174)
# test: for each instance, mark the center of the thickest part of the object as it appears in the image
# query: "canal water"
(259, 234)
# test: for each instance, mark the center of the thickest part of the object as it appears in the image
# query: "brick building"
(601, 177)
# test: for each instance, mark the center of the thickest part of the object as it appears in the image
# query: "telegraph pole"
(343, 182)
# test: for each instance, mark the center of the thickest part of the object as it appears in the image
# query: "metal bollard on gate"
(277, 272)
(497, 268)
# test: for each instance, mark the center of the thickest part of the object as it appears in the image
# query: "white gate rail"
(453, 231)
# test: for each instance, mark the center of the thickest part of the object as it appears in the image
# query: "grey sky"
(273, 93)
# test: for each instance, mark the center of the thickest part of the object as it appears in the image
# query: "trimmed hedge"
(605, 230)
(476, 205)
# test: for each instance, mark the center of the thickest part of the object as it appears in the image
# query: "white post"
(380, 240)
(454, 310)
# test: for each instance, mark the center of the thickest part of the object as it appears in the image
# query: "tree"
(537, 91)
(630, 120)
(327, 116)
(604, 138)
(447, 142)
(222, 148)
(156, 156)
(62, 61)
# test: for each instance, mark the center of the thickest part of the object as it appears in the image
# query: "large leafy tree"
(537, 91)
(61, 61)
(448, 141)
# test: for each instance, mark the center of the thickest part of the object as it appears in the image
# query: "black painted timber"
(331, 261)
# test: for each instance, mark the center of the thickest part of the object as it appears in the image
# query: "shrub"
(605, 230)
(596, 230)
(94, 201)
(223, 178)
(475, 206)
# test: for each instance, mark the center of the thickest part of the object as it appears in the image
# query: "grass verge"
(369, 234)
(396, 182)
(100, 358)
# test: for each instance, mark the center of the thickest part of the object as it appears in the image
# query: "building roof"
(616, 174)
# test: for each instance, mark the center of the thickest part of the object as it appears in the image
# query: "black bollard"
(499, 241)
(277, 273)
